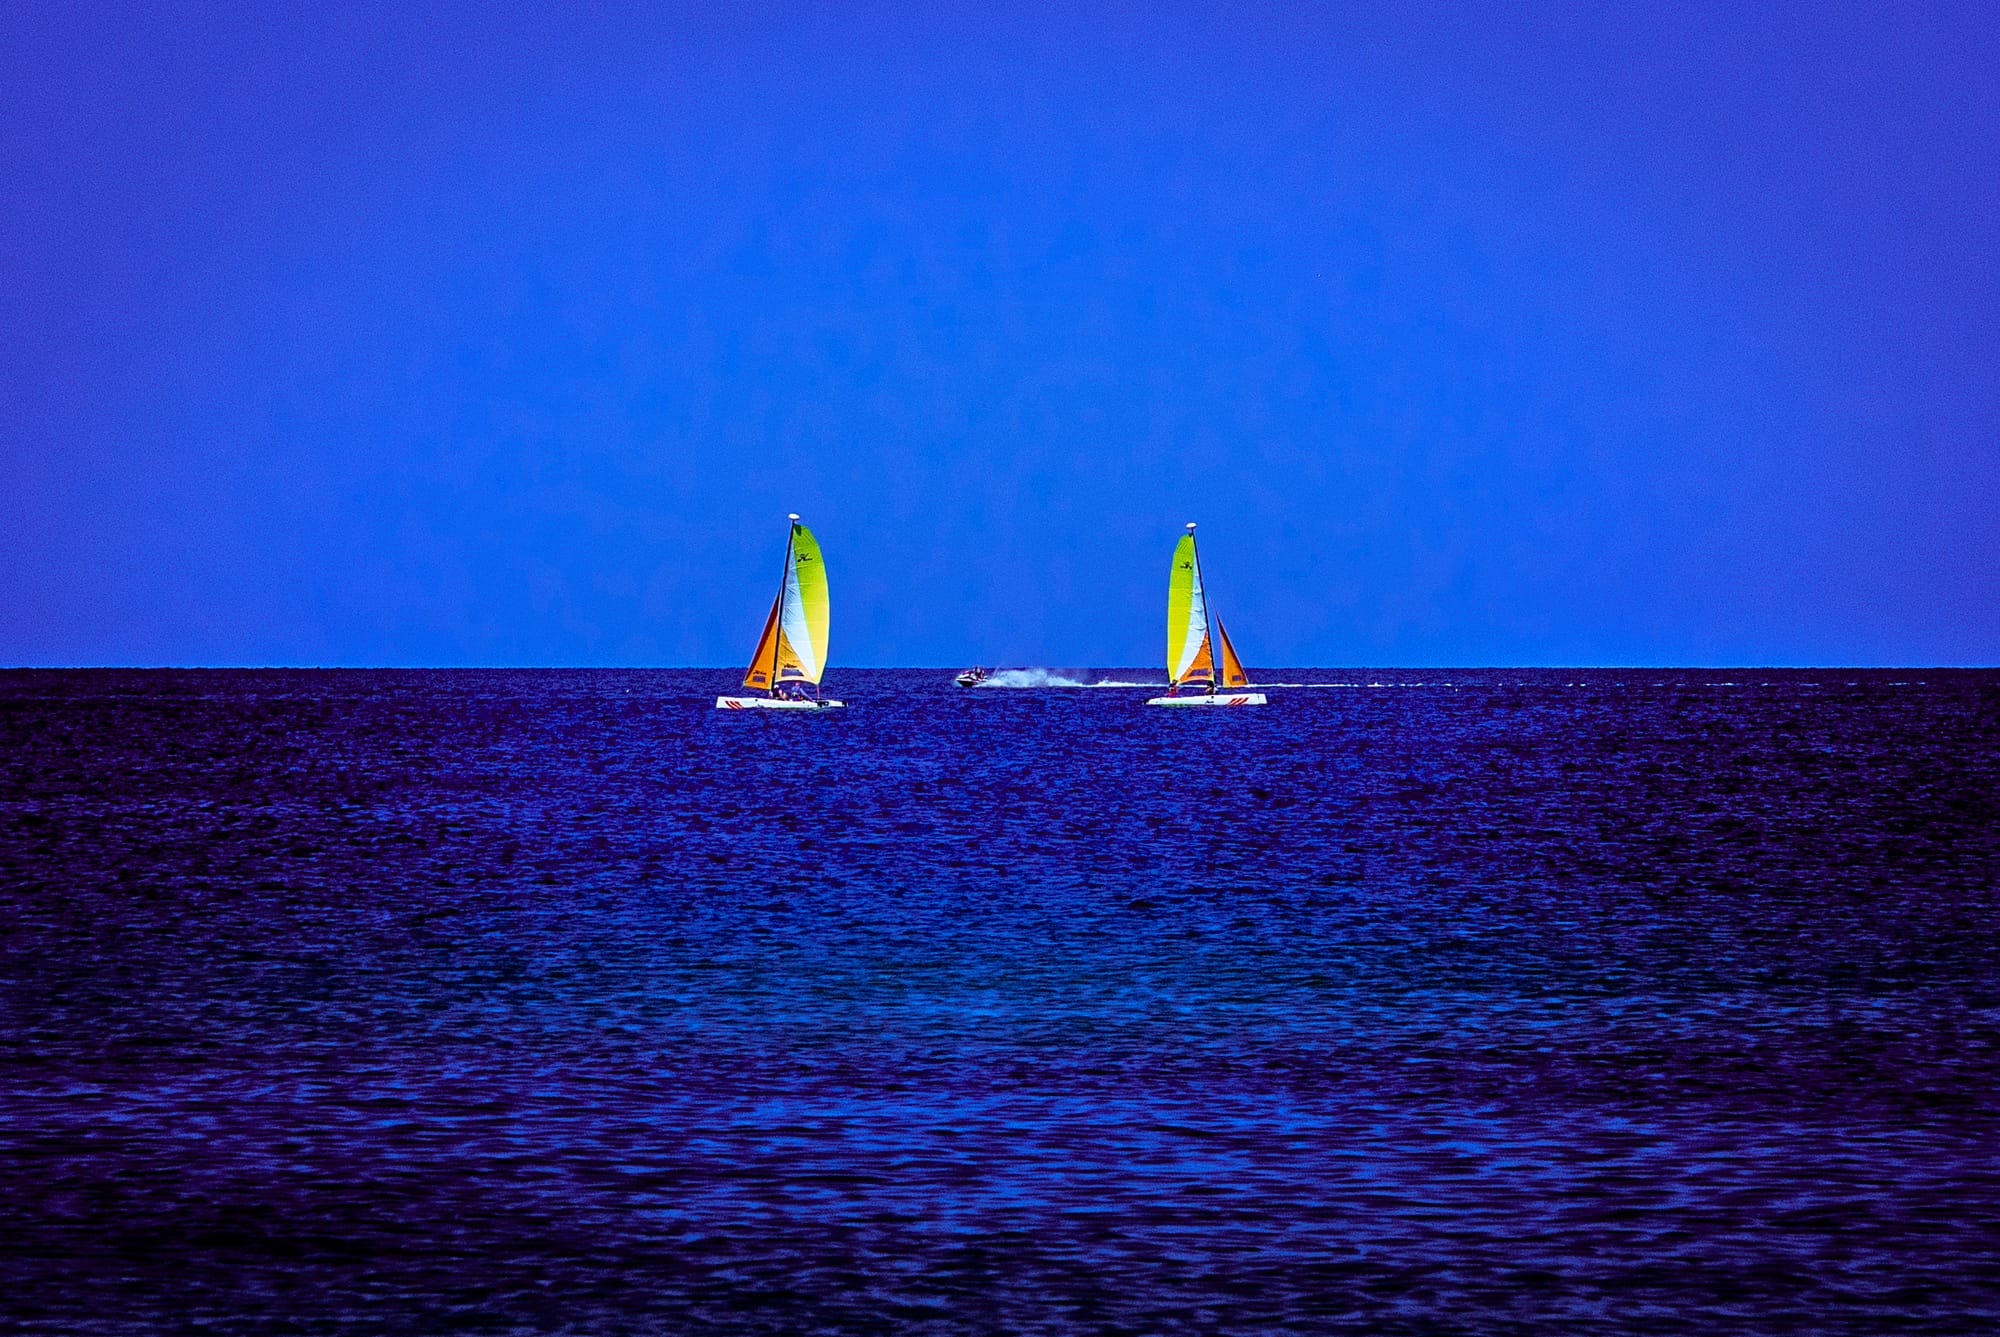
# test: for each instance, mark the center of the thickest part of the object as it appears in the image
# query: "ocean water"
(1430, 1002)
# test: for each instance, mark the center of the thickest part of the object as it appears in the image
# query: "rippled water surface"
(1480, 1002)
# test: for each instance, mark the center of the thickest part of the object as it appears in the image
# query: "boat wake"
(1032, 677)
(1042, 677)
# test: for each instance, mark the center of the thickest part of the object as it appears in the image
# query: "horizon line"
(951, 667)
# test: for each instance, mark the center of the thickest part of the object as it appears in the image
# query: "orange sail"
(1202, 666)
(764, 664)
(1232, 667)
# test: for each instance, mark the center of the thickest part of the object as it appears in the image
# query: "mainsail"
(1198, 649)
(1199, 655)
(1188, 654)
(793, 646)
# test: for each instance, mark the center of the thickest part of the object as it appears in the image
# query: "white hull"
(1220, 699)
(772, 703)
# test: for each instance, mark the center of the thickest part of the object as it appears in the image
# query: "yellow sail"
(1232, 674)
(793, 646)
(1199, 655)
(1198, 649)
(806, 614)
(1187, 614)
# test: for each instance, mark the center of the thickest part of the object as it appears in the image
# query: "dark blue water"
(1481, 1002)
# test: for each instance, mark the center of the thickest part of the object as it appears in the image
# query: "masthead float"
(1199, 655)
(791, 654)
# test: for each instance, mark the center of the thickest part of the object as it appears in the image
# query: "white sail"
(798, 632)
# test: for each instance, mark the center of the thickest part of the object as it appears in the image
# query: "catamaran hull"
(1220, 699)
(768, 703)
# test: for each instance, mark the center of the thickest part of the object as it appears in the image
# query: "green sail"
(1187, 611)
(804, 614)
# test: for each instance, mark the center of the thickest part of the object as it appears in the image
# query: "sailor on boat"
(973, 676)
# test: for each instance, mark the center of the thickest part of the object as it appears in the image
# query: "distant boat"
(1199, 655)
(972, 677)
(791, 654)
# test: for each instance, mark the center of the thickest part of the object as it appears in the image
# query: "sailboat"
(1199, 654)
(791, 654)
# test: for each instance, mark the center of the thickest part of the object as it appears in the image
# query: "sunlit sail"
(791, 652)
(1199, 654)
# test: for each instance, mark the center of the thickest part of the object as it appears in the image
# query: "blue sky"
(1488, 335)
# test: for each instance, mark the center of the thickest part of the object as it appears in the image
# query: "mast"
(783, 580)
(819, 650)
(1207, 621)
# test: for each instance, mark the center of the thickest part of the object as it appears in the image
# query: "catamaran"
(1199, 655)
(791, 654)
